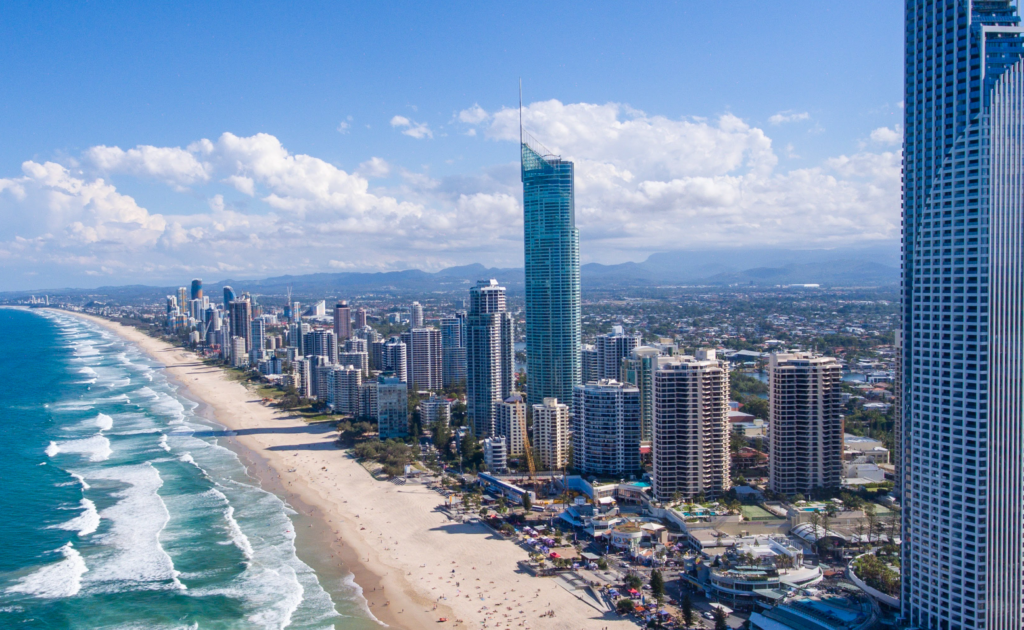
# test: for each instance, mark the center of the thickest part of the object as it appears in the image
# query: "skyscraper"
(691, 426)
(321, 343)
(453, 350)
(416, 315)
(490, 367)
(360, 318)
(606, 429)
(342, 321)
(259, 339)
(395, 358)
(638, 369)
(806, 423)
(240, 312)
(229, 297)
(423, 358)
(392, 408)
(552, 248)
(963, 316)
(197, 288)
(612, 349)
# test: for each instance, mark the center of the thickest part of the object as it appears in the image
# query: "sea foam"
(85, 523)
(136, 521)
(60, 579)
(96, 448)
(104, 422)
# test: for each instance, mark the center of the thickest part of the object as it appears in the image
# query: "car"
(708, 616)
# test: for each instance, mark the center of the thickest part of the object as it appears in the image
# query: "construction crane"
(529, 460)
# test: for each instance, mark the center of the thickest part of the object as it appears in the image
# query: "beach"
(414, 564)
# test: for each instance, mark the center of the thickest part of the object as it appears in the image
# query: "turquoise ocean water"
(120, 509)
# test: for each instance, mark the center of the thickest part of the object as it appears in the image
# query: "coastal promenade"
(405, 554)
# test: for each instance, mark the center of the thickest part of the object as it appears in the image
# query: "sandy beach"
(414, 565)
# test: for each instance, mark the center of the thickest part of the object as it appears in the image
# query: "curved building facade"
(962, 434)
(552, 248)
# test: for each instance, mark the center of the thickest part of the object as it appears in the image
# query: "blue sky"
(386, 141)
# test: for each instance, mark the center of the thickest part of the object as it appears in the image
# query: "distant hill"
(758, 267)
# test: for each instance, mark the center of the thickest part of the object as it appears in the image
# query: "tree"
(687, 609)
(527, 503)
(815, 521)
(894, 524)
(634, 581)
(657, 585)
(872, 517)
(720, 618)
(624, 606)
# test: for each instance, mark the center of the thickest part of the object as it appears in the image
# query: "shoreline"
(413, 564)
(349, 564)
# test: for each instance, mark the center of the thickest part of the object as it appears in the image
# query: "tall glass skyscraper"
(552, 277)
(962, 433)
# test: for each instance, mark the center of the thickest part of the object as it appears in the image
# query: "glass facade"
(962, 434)
(552, 246)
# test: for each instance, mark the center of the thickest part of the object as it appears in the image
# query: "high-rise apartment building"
(423, 358)
(416, 315)
(638, 369)
(394, 355)
(183, 298)
(551, 437)
(392, 408)
(805, 450)
(690, 446)
(589, 363)
(358, 360)
(197, 288)
(321, 343)
(552, 249)
(612, 349)
(606, 429)
(453, 350)
(240, 315)
(342, 321)
(259, 339)
(963, 316)
(239, 355)
(346, 382)
(490, 367)
(510, 423)
(360, 318)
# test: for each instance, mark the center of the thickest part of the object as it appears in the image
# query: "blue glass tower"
(962, 430)
(552, 245)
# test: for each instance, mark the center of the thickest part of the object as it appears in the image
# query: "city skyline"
(233, 193)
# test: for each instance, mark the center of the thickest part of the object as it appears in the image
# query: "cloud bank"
(644, 183)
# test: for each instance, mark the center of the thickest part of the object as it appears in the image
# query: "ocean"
(121, 509)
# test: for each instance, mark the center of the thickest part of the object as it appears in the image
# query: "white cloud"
(473, 115)
(788, 116)
(644, 183)
(343, 127)
(374, 167)
(172, 165)
(411, 128)
(885, 135)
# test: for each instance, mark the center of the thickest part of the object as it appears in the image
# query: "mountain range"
(869, 267)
